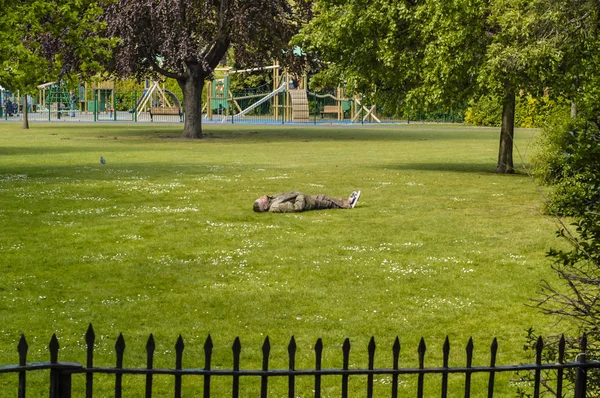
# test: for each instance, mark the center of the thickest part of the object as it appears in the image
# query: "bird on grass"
(102, 160)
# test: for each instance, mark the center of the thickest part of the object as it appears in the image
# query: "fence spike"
(22, 348)
(469, 350)
(150, 345)
(318, 353)
(266, 349)
(584, 343)
(372, 348)
(120, 349)
(208, 347)
(539, 347)
(396, 352)
(561, 349)
(346, 350)
(292, 353)
(446, 351)
(179, 345)
(54, 347)
(90, 336)
(422, 349)
(208, 344)
(237, 349)
(494, 352)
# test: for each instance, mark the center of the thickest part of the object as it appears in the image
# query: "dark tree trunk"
(192, 86)
(25, 115)
(507, 134)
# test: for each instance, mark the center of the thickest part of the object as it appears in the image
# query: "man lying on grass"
(294, 202)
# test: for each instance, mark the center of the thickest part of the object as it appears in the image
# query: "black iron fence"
(61, 383)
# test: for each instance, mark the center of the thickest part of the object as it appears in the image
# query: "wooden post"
(209, 114)
(275, 86)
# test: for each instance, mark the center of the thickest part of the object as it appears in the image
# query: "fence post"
(179, 346)
(90, 338)
(60, 382)
(120, 350)
(421, 350)
(264, 380)
(95, 105)
(396, 358)
(237, 349)
(22, 348)
(292, 365)
(135, 114)
(318, 364)
(208, 347)
(581, 377)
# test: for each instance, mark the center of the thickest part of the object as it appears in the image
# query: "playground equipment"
(56, 98)
(9, 102)
(367, 112)
(280, 89)
(336, 105)
(158, 100)
(294, 107)
(98, 96)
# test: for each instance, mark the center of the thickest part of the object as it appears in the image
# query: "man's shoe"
(354, 198)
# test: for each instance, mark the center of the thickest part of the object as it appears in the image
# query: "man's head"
(261, 204)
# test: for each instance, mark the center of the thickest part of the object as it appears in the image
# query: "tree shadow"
(479, 168)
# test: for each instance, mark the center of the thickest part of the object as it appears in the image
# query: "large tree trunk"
(192, 87)
(25, 114)
(507, 134)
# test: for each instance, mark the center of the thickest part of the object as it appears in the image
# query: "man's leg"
(325, 202)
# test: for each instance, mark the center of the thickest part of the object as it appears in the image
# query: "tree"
(186, 40)
(47, 40)
(439, 51)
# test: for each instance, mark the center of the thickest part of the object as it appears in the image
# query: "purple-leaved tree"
(186, 39)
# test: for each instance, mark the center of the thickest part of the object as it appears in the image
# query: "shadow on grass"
(479, 168)
(417, 132)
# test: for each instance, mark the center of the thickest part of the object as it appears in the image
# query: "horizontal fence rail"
(61, 372)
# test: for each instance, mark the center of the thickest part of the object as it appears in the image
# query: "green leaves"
(45, 40)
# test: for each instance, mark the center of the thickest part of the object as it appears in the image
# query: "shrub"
(568, 159)
(529, 111)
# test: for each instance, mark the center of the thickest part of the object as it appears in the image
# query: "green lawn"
(162, 239)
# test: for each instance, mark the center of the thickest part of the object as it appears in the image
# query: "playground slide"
(140, 100)
(257, 103)
(148, 94)
(173, 97)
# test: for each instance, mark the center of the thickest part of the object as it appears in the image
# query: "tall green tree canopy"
(440, 51)
(186, 40)
(49, 40)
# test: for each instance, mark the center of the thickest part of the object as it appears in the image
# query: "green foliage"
(569, 160)
(530, 111)
(49, 40)
(487, 111)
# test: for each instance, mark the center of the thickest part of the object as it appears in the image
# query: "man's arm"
(293, 206)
